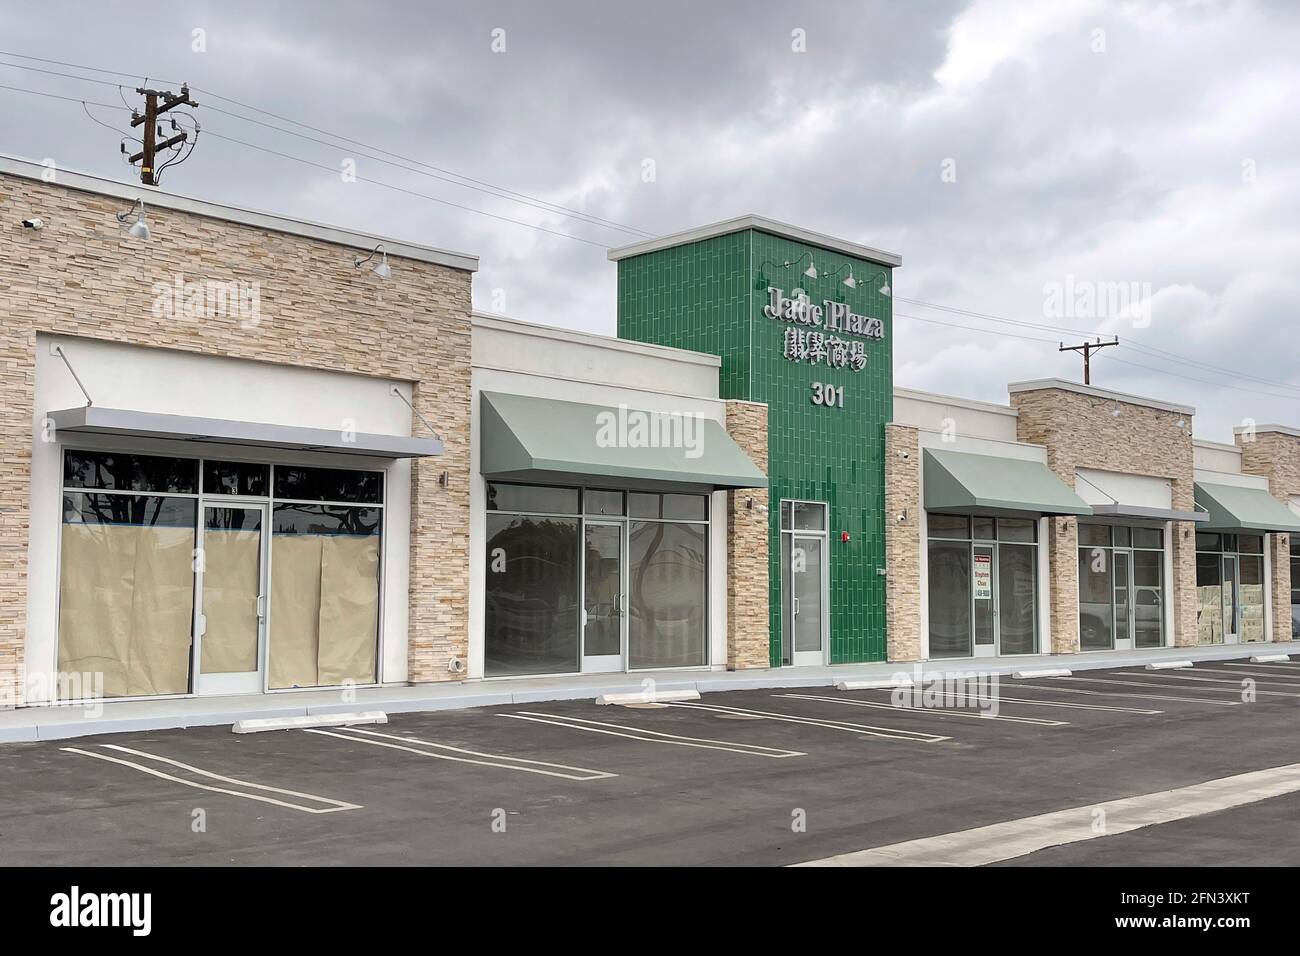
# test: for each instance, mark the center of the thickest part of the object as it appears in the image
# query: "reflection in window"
(950, 599)
(666, 594)
(328, 484)
(1096, 611)
(117, 472)
(1016, 600)
(531, 619)
(1209, 597)
(1295, 587)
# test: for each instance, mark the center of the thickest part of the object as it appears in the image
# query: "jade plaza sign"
(815, 334)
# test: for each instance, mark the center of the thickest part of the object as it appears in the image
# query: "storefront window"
(324, 594)
(129, 561)
(126, 593)
(1295, 587)
(531, 614)
(666, 594)
(950, 599)
(1121, 586)
(1230, 588)
(982, 584)
(650, 611)
(235, 478)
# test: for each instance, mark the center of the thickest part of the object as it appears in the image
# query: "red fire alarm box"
(844, 536)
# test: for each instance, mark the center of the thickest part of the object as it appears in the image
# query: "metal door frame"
(604, 663)
(249, 682)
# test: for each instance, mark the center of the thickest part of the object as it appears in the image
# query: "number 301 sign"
(831, 396)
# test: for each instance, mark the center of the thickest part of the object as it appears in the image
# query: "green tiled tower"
(709, 290)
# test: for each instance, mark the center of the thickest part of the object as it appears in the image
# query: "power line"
(1128, 343)
(409, 192)
(330, 169)
(469, 182)
(1163, 354)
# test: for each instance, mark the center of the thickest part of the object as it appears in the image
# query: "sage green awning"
(1232, 508)
(985, 484)
(545, 439)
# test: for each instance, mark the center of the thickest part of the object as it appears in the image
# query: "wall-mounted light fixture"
(381, 268)
(138, 229)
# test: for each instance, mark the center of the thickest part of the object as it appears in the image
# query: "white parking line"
(864, 729)
(1013, 838)
(1034, 702)
(652, 736)
(1140, 683)
(1118, 693)
(1280, 665)
(1233, 684)
(1286, 680)
(413, 745)
(931, 711)
(331, 806)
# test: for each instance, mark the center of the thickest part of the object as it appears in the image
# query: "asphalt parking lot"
(752, 777)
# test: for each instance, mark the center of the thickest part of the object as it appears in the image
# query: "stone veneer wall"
(1079, 431)
(1276, 456)
(81, 276)
(747, 537)
(903, 543)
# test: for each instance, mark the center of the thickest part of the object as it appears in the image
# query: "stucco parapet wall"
(1046, 384)
(955, 401)
(503, 323)
(155, 197)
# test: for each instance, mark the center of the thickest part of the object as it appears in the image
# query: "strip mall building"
(237, 462)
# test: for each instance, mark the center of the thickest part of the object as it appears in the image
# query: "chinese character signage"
(814, 335)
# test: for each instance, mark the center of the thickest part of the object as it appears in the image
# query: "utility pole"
(152, 110)
(1087, 348)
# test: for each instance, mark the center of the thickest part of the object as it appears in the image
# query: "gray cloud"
(1115, 166)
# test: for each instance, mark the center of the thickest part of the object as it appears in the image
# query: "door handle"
(796, 607)
(261, 607)
(618, 605)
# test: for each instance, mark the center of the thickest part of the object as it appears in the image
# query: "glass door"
(1231, 606)
(1123, 600)
(230, 613)
(604, 592)
(808, 599)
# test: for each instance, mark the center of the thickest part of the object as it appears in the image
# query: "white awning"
(93, 420)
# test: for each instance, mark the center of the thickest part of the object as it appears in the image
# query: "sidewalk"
(54, 723)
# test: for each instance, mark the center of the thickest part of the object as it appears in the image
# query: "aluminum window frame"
(202, 500)
(626, 520)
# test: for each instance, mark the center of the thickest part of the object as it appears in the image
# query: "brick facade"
(747, 538)
(81, 276)
(1080, 430)
(903, 542)
(1276, 456)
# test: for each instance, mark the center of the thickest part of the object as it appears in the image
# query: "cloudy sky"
(1020, 156)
